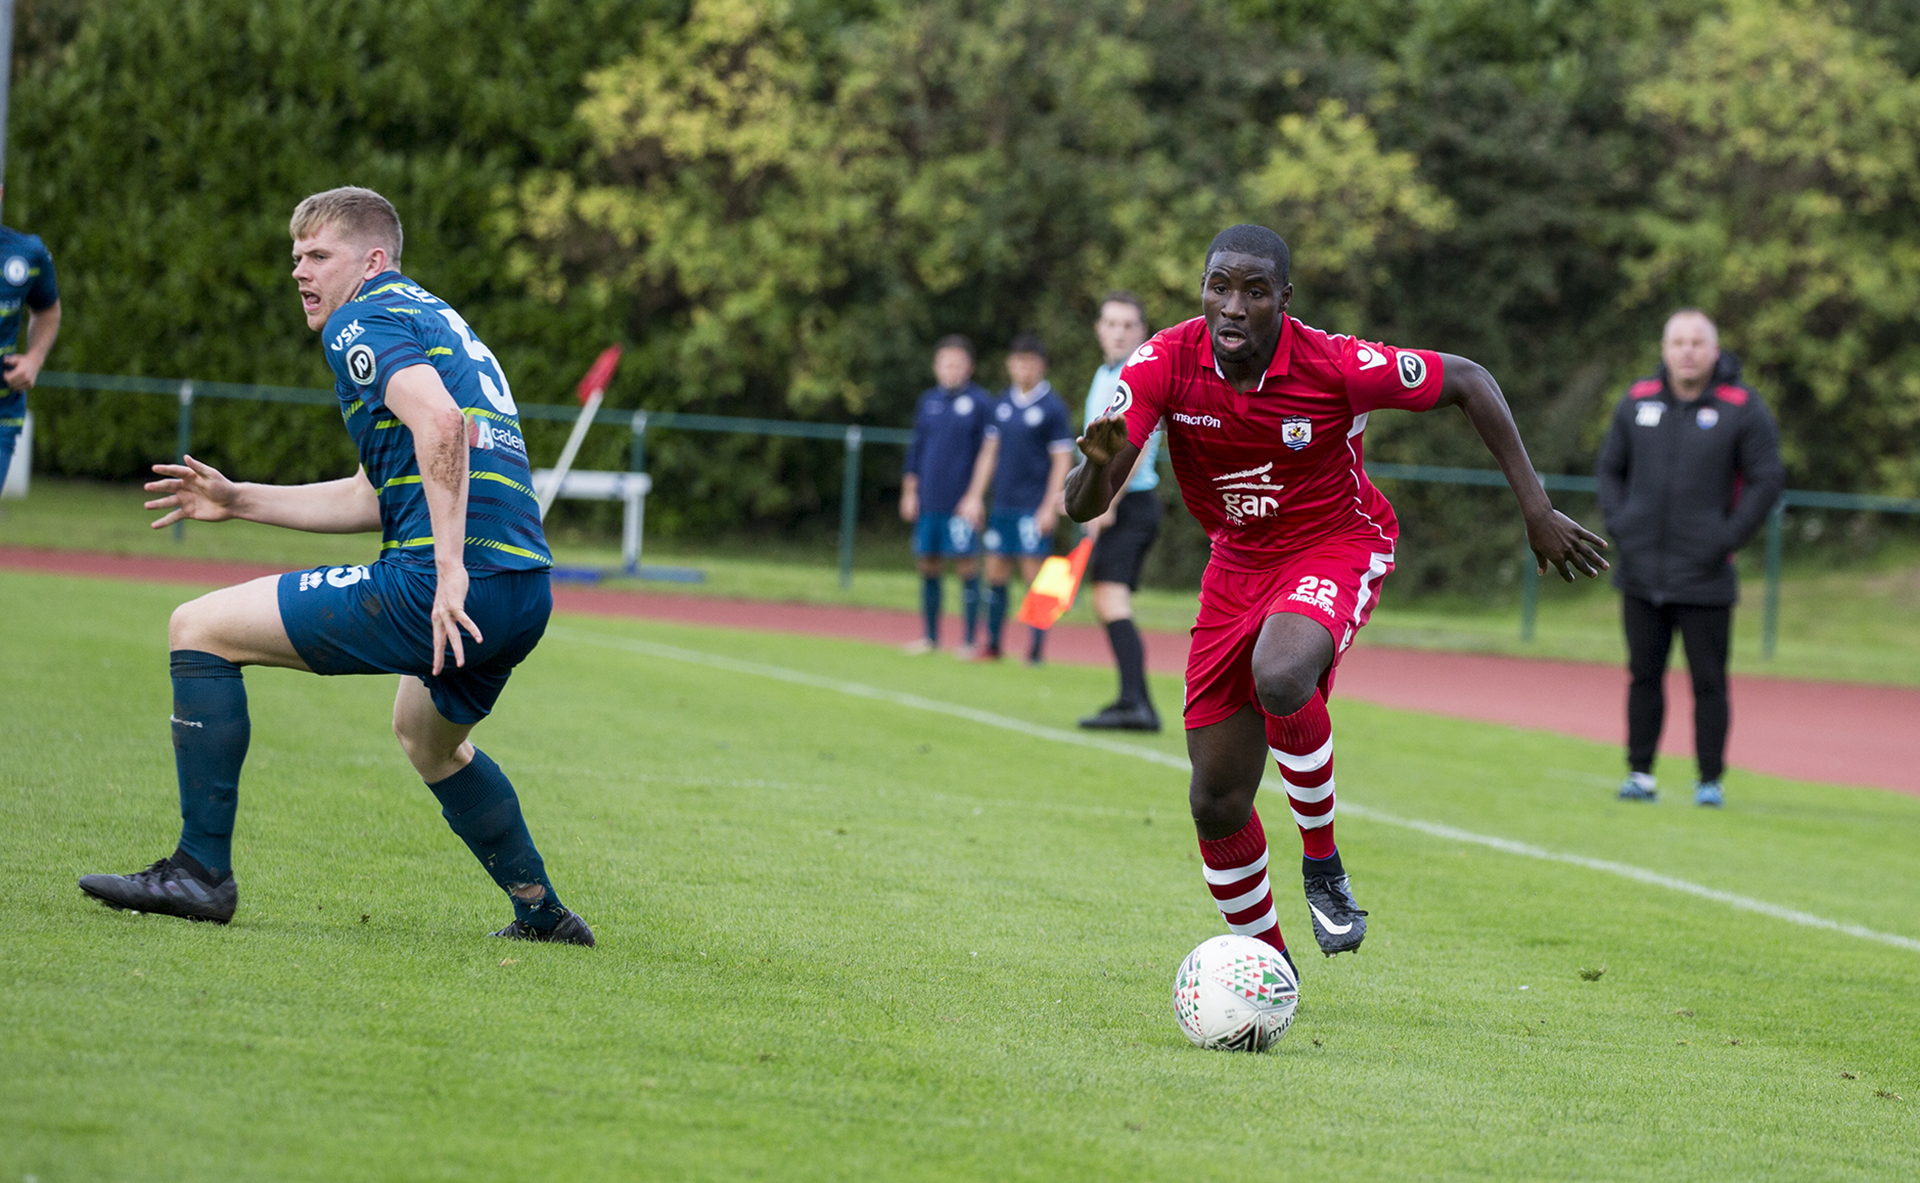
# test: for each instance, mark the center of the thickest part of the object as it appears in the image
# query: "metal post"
(635, 522)
(1529, 594)
(1770, 614)
(849, 506)
(6, 83)
(186, 442)
(637, 449)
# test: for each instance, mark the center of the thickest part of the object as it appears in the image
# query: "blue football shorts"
(377, 620)
(1015, 532)
(944, 534)
(9, 436)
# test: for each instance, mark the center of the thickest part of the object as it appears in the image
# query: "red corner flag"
(1054, 585)
(591, 390)
(599, 374)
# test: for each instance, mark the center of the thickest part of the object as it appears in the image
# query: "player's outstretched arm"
(418, 398)
(1556, 539)
(1097, 480)
(199, 492)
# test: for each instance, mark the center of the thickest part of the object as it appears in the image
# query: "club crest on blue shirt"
(1707, 417)
(1296, 431)
(963, 405)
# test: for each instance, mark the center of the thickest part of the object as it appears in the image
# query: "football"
(1235, 994)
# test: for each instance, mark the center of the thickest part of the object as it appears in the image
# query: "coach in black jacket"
(1690, 469)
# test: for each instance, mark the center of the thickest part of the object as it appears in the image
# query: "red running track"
(1832, 732)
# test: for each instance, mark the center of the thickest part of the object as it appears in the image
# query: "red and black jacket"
(1685, 484)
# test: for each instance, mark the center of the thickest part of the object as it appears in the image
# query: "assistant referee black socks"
(211, 731)
(1130, 657)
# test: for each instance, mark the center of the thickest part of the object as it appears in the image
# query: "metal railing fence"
(854, 437)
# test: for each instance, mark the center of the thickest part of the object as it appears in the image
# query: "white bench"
(630, 487)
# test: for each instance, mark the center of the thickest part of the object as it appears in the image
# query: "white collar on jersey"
(1032, 396)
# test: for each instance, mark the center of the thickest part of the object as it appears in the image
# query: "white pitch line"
(1165, 759)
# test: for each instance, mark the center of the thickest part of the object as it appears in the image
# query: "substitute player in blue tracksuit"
(458, 597)
(943, 486)
(1029, 449)
(27, 293)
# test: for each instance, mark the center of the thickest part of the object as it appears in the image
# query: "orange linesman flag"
(1054, 585)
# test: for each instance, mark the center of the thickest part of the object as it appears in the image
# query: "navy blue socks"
(996, 614)
(970, 600)
(1035, 646)
(479, 804)
(930, 606)
(211, 731)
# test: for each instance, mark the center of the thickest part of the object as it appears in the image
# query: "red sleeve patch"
(1644, 388)
(1731, 395)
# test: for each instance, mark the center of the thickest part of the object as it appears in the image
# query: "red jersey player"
(1263, 417)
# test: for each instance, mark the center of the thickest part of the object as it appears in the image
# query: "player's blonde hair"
(360, 214)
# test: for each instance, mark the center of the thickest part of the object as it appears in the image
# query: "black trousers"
(1705, 631)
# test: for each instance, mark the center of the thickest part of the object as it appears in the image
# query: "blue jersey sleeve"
(1059, 426)
(43, 292)
(370, 347)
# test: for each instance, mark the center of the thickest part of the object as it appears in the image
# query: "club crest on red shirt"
(1296, 431)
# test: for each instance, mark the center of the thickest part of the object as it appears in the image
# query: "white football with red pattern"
(1235, 994)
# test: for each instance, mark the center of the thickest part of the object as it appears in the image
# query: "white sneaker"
(918, 647)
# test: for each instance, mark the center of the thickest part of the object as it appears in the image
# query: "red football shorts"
(1335, 583)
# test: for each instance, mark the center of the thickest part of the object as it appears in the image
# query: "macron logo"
(1195, 420)
(347, 337)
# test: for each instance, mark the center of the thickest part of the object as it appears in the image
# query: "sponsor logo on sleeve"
(1369, 357)
(360, 364)
(1122, 397)
(1249, 493)
(346, 337)
(16, 270)
(1413, 369)
(1648, 414)
(1296, 431)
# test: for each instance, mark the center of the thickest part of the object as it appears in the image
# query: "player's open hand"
(450, 616)
(192, 490)
(1103, 439)
(909, 506)
(1565, 545)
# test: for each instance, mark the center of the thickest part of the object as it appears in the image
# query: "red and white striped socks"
(1236, 871)
(1303, 744)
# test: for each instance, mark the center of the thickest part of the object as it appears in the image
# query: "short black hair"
(1247, 239)
(1122, 296)
(954, 341)
(1028, 343)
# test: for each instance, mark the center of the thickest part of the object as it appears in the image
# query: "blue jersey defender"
(458, 596)
(29, 298)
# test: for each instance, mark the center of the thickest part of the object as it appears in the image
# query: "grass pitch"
(842, 937)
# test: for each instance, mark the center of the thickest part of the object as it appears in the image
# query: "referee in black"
(1123, 534)
(1689, 470)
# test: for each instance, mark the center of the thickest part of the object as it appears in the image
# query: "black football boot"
(570, 931)
(167, 888)
(1339, 924)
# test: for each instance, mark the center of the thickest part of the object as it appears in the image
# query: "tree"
(1788, 212)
